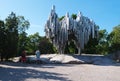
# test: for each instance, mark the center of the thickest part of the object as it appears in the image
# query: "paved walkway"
(59, 72)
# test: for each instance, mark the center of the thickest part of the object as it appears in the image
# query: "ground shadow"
(97, 60)
(21, 74)
(19, 64)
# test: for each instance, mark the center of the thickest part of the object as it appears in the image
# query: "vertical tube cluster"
(59, 32)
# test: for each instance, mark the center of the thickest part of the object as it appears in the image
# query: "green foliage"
(71, 48)
(114, 39)
(2, 39)
(14, 39)
(46, 47)
(33, 42)
(22, 42)
(23, 24)
(116, 34)
(74, 16)
(12, 35)
(103, 45)
(90, 47)
(11, 26)
(98, 45)
(61, 18)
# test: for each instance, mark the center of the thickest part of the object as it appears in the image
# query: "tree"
(103, 45)
(90, 47)
(11, 26)
(33, 42)
(74, 16)
(14, 27)
(23, 25)
(46, 47)
(98, 45)
(2, 39)
(114, 39)
(2, 33)
(22, 42)
(71, 48)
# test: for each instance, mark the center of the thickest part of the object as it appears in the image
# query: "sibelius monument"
(60, 32)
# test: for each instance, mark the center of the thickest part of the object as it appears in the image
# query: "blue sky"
(105, 13)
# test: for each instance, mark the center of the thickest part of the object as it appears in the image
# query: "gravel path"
(59, 72)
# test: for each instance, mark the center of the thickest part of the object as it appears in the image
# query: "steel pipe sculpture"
(60, 32)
